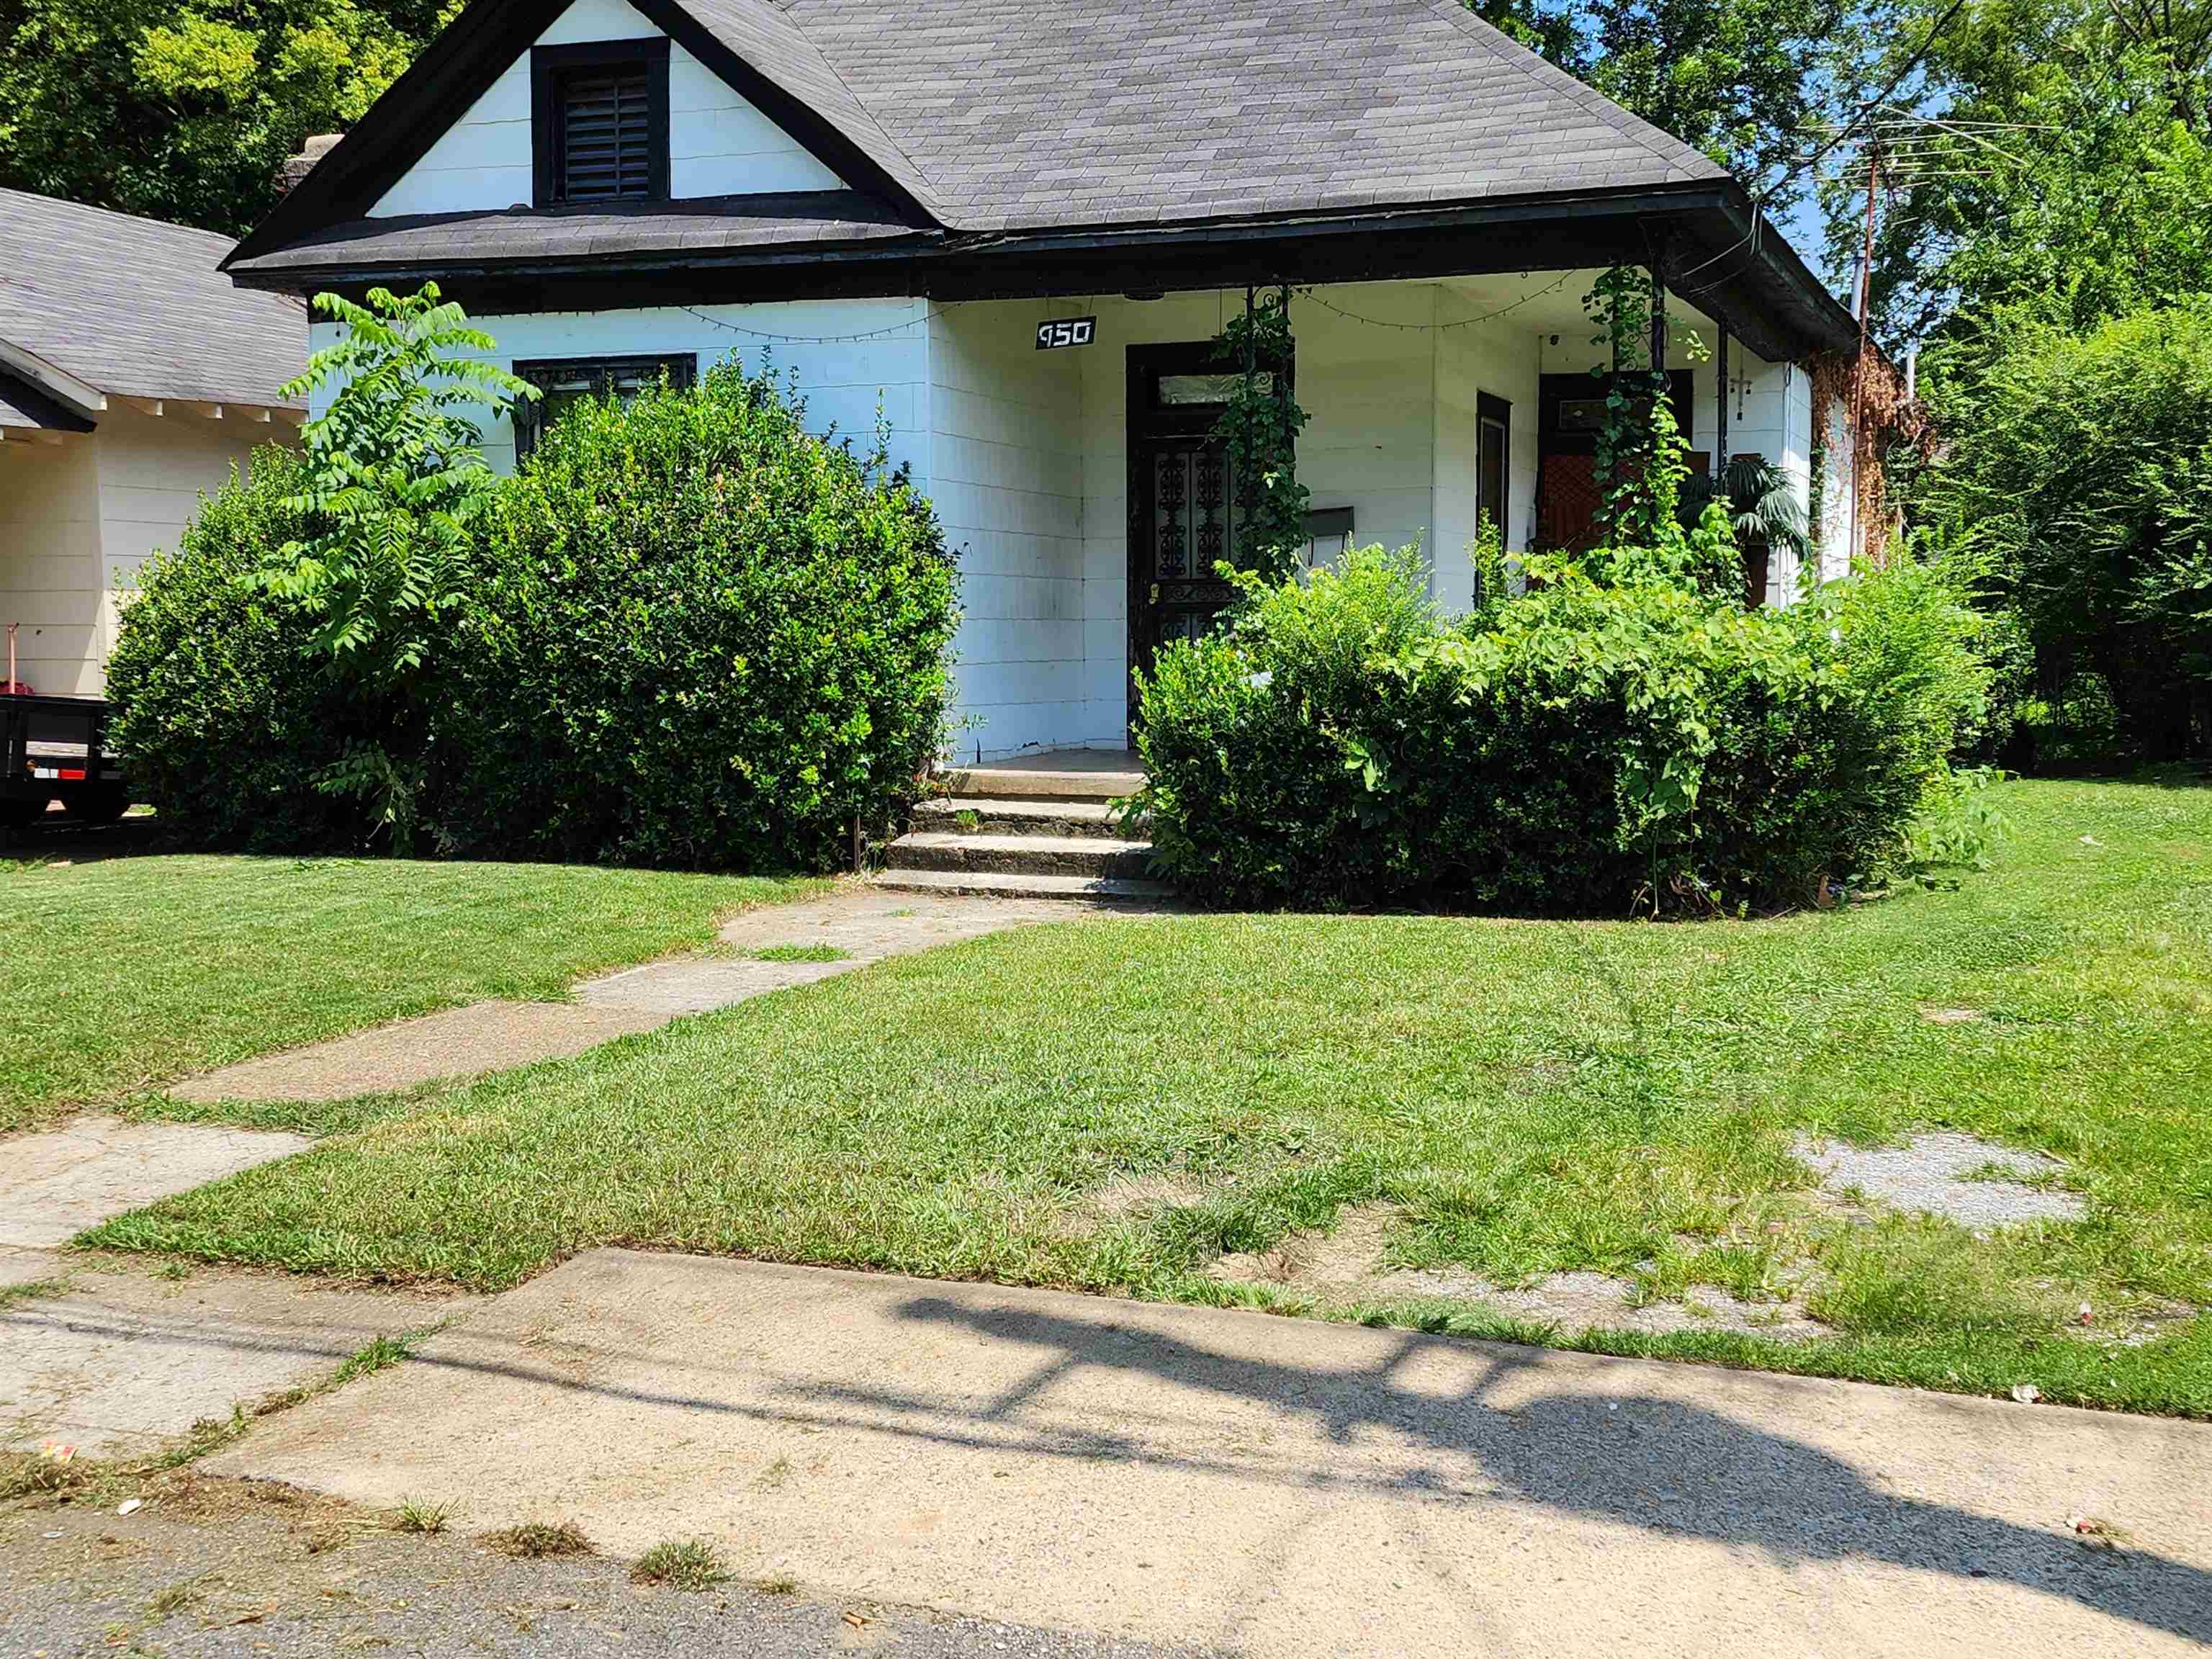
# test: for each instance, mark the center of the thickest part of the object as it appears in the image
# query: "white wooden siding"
(1006, 473)
(50, 564)
(842, 381)
(77, 519)
(719, 144)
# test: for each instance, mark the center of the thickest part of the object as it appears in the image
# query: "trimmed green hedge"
(699, 637)
(1582, 748)
(222, 716)
(693, 634)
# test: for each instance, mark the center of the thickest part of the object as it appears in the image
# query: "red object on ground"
(15, 688)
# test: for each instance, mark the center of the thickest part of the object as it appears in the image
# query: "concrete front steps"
(1029, 831)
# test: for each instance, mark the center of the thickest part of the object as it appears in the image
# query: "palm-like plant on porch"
(1761, 505)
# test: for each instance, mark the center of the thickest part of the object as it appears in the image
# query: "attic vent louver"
(606, 134)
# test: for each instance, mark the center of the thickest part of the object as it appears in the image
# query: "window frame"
(1492, 411)
(550, 69)
(682, 368)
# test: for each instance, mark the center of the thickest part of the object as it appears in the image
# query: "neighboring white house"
(894, 204)
(133, 375)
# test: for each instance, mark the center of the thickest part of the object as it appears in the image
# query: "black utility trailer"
(52, 749)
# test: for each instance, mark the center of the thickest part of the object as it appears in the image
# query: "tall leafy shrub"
(391, 483)
(700, 637)
(2082, 464)
(222, 715)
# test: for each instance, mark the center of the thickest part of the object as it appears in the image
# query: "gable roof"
(992, 147)
(1026, 113)
(1012, 115)
(138, 308)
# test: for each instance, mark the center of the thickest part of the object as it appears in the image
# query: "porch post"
(1720, 412)
(1658, 322)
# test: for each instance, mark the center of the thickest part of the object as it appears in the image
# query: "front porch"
(1077, 488)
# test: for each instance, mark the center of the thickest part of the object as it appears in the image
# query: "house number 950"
(1066, 331)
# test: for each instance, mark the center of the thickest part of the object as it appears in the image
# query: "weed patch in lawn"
(800, 953)
(535, 1540)
(689, 1563)
(426, 1518)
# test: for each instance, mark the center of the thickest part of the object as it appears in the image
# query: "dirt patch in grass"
(1350, 1265)
(1144, 1195)
(1959, 1177)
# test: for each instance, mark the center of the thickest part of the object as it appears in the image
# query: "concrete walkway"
(127, 1358)
(116, 1356)
(1265, 1486)
(866, 923)
(55, 1184)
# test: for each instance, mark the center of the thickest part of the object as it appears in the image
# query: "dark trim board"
(801, 120)
(460, 66)
(47, 411)
(1774, 306)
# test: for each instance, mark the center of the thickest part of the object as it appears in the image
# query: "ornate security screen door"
(1183, 516)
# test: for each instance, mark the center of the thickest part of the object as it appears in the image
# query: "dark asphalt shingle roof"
(706, 224)
(1022, 114)
(138, 308)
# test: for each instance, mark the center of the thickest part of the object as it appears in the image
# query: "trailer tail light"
(61, 773)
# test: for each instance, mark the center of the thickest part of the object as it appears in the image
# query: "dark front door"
(1571, 414)
(1183, 516)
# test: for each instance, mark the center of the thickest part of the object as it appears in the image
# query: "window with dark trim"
(567, 382)
(1493, 426)
(599, 122)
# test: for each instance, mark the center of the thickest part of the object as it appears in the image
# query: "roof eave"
(1780, 307)
(55, 381)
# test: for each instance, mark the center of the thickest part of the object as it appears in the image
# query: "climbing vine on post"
(1635, 462)
(1259, 428)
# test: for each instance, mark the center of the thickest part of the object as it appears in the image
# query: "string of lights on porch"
(768, 337)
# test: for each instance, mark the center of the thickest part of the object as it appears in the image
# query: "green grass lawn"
(1518, 1098)
(121, 973)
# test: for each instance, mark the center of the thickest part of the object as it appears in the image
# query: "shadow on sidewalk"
(1652, 1462)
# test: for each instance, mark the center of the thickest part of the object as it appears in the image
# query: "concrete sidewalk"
(1268, 1485)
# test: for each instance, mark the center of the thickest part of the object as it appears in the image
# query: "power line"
(1759, 198)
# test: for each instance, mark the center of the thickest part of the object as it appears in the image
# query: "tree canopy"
(187, 113)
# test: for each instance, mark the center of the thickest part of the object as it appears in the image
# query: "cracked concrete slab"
(1273, 1487)
(127, 1356)
(55, 1184)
